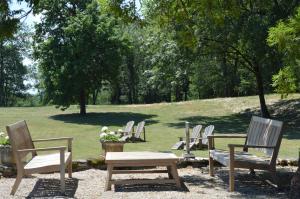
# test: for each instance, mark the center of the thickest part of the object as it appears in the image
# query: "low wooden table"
(140, 159)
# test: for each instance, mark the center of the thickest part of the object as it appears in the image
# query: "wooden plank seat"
(23, 145)
(141, 159)
(48, 163)
(263, 134)
(242, 158)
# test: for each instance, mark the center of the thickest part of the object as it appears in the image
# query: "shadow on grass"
(287, 111)
(50, 188)
(105, 118)
(236, 123)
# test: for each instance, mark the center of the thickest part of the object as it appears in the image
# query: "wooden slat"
(143, 181)
(138, 171)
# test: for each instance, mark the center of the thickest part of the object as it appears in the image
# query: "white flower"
(102, 135)
(104, 129)
(6, 137)
(120, 130)
(111, 133)
(2, 134)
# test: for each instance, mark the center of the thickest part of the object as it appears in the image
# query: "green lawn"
(164, 122)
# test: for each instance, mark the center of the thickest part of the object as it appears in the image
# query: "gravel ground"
(197, 184)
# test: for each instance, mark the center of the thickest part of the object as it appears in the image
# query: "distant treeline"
(92, 52)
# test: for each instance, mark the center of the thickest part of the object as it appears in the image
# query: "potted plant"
(110, 141)
(6, 154)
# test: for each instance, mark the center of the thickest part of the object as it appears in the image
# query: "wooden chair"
(138, 132)
(193, 138)
(129, 128)
(22, 145)
(203, 140)
(263, 135)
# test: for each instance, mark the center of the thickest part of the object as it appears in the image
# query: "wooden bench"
(263, 135)
(141, 159)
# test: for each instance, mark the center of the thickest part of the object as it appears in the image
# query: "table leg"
(108, 179)
(175, 175)
(169, 168)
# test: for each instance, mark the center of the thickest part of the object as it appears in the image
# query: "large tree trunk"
(295, 183)
(82, 102)
(260, 87)
(2, 94)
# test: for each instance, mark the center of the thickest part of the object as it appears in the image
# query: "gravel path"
(90, 184)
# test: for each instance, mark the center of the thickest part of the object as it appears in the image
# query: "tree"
(228, 30)
(285, 36)
(12, 70)
(77, 48)
(284, 82)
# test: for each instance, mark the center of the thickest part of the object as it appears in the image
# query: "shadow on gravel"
(150, 188)
(50, 188)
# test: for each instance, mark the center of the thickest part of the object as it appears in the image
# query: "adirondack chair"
(193, 138)
(22, 145)
(263, 135)
(138, 132)
(126, 134)
(203, 140)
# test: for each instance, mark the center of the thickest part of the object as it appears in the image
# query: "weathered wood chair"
(138, 132)
(263, 135)
(126, 133)
(22, 145)
(203, 140)
(193, 138)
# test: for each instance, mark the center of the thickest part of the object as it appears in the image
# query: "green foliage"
(4, 140)
(284, 82)
(12, 70)
(109, 138)
(78, 52)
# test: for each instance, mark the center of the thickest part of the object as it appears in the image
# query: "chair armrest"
(250, 146)
(69, 139)
(53, 139)
(60, 148)
(228, 136)
(211, 143)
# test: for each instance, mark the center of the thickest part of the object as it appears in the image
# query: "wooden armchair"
(138, 132)
(129, 128)
(22, 145)
(263, 135)
(196, 134)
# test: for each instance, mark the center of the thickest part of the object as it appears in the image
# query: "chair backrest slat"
(264, 132)
(128, 127)
(19, 138)
(139, 129)
(207, 131)
(196, 132)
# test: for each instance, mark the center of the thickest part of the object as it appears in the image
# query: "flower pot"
(6, 155)
(112, 147)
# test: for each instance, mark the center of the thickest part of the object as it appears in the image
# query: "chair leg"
(62, 178)
(211, 166)
(16, 184)
(70, 168)
(231, 179)
(231, 169)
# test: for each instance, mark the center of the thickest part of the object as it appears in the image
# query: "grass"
(164, 122)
